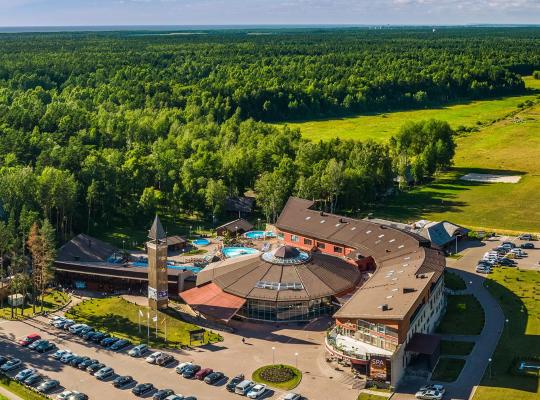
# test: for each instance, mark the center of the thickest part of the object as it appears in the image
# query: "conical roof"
(157, 232)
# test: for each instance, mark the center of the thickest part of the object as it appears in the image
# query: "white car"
(292, 396)
(429, 395)
(65, 394)
(257, 391)
(56, 318)
(153, 357)
(182, 366)
(25, 373)
(439, 388)
(60, 353)
(138, 351)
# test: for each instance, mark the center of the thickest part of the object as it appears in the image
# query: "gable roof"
(442, 233)
(239, 204)
(86, 249)
(239, 224)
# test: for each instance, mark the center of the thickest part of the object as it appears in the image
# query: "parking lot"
(231, 357)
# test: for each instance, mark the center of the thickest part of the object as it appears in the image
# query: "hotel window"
(320, 245)
(294, 238)
(308, 241)
(338, 249)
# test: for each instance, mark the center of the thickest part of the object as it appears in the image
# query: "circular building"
(282, 285)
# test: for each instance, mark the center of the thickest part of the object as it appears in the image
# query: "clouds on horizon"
(223, 12)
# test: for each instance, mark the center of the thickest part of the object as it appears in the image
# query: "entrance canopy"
(212, 301)
(422, 343)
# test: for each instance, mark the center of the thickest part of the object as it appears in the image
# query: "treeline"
(96, 128)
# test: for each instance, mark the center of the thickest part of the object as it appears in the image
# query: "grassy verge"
(456, 348)
(464, 316)
(518, 293)
(454, 281)
(19, 390)
(369, 396)
(51, 301)
(121, 318)
(274, 370)
(447, 369)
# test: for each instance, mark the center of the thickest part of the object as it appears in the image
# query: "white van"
(244, 387)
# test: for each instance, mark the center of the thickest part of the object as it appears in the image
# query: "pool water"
(191, 268)
(231, 252)
(201, 242)
(259, 234)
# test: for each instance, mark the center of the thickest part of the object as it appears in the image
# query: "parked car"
(11, 365)
(506, 262)
(78, 396)
(32, 379)
(528, 245)
(27, 340)
(120, 344)
(122, 381)
(214, 377)
(65, 394)
(164, 359)
(104, 373)
(4, 359)
(181, 367)
(138, 350)
(429, 395)
(25, 373)
(48, 385)
(99, 336)
(142, 388)
(32, 346)
(76, 328)
(66, 358)
(68, 323)
(109, 341)
(162, 394)
(231, 385)
(86, 330)
(92, 369)
(483, 270)
(60, 322)
(244, 387)
(45, 347)
(89, 335)
(292, 396)
(527, 236)
(437, 387)
(151, 359)
(175, 397)
(257, 391)
(200, 375)
(78, 360)
(55, 318)
(60, 353)
(191, 370)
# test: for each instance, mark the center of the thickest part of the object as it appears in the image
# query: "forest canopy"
(96, 126)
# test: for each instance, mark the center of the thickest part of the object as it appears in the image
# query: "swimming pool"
(259, 234)
(142, 264)
(201, 242)
(231, 252)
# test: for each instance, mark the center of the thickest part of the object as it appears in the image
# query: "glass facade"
(378, 335)
(276, 311)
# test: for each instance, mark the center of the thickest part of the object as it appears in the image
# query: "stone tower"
(157, 266)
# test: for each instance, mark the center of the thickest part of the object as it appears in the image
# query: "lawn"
(453, 281)
(19, 390)
(279, 376)
(518, 293)
(369, 396)
(382, 126)
(456, 348)
(121, 318)
(448, 369)
(51, 301)
(464, 316)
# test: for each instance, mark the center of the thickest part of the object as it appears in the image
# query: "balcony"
(351, 348)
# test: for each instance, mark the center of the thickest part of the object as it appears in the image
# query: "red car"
(202, 373)
(29, 339)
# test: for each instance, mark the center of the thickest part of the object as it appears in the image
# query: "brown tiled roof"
(85, 248)
(401, 257)
(241, 223)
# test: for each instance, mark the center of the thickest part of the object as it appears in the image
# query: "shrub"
(278, 374)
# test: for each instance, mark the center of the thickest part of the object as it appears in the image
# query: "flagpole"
(165, 329)
(156, 322)
(140, 320)
(148, 328)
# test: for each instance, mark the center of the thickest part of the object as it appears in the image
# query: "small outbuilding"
(176, 242)
(234, 228)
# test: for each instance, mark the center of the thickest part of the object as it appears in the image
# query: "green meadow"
(381, 127)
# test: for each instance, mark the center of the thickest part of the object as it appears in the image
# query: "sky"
(257, 12)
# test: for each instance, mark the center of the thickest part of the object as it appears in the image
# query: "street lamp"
(258, 223)
(236, 230)
(489, 365)
(273, 355)
(296, 360)
(190, 230)
(124, 245)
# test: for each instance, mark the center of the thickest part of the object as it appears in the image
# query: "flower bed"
(279, 376)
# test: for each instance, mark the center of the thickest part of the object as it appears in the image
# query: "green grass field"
(382, 126)
(518, 293)
(19, 390)
(464, 316)
(121, 319)
(51, 301)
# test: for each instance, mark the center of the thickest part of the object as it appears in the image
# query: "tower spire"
(157, 232)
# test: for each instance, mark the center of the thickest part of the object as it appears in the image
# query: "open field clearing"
(381, 127)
